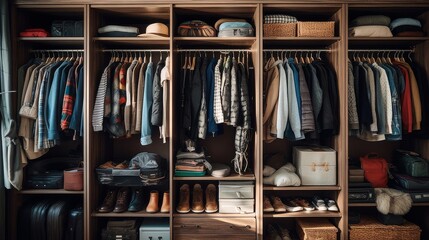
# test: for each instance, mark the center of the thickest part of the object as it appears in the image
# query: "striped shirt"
(217, 104)
(98, 113)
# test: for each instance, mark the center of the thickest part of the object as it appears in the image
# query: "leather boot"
(211, 204)
(122, 200)
(136, 203)
(197, 199)
(152, 206)
(183, 206)
(165, 208)
(108, 202)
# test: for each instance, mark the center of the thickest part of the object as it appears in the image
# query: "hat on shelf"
(155, 30)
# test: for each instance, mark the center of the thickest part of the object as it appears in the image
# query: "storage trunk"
(236, 189)
(236, 206)
(155, 228)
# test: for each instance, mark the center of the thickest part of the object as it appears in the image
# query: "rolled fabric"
(118, 28)
(407, 28)
(370, 31)
(378, 20)
(405, 21)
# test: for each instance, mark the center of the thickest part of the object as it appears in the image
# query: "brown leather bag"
(73, 179)
(196, 28)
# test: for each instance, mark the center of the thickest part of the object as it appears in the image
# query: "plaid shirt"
(279, 18)
(68, 99)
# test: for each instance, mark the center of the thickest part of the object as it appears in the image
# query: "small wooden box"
(316, 229)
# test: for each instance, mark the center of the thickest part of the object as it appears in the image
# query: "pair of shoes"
(110, 164)
(115, 200)
(301, 204)
(197, 199)
(324, 204)
(278, 232)
(274, 204)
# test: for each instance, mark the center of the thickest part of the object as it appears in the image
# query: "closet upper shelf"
(69, 41)
(136, 41)
(299, 41)
(399, 42)
(241, 42)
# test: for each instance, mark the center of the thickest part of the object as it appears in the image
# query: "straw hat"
(155, 30)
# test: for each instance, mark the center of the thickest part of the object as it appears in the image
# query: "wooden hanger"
(140, 58)
(402, 56)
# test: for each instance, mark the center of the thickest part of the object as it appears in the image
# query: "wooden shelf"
(54, 40)
(243, 42)
(49, 191)
(303, 214)
(270, 42)
(398, 42)
(232, 177)
(213, 215)
(418, 204)
(155, 41)
(303, 188)
(130, 214)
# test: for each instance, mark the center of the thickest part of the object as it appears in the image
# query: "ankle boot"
(211, 204)
(197, 199)
(122, 200)
(183, 206)
(165, 208)
(152, 206)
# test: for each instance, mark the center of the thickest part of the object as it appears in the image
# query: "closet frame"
(97, 146)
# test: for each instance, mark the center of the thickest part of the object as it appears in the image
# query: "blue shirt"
(146, 129)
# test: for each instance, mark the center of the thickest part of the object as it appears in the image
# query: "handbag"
(411, 163)
(375, 170)
(73, 179)
(196, 28)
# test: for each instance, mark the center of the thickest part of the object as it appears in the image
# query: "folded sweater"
(378, 20)
(370, 31)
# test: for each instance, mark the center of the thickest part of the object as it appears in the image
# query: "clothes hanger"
(295, 57)
(193, 61)
(402, 56)
(409, 57)
(140, 59)
(372, 57)
(150, 56)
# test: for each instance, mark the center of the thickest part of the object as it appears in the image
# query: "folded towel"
(405, 21)
(118, 28)
(370, 31)
(279, 18)
(379, 20)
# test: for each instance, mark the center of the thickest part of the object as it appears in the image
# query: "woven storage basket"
(280, 30)
(316, 29)
(370, 228)
(316, 229)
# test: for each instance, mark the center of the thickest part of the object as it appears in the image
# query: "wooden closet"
(99, 148)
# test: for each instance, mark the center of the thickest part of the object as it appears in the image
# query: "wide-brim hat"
(155, 30)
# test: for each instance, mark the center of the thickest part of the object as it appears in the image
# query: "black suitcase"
(24, 221)
(38, 220)
(74, 230)
(56, 220)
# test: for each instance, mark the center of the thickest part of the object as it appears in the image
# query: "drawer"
(212, 237)
(226, 226)
(236, 190)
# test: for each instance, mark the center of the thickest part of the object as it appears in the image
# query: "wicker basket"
(280, 30)
(316, 29)
(316, 229)
(370, 228)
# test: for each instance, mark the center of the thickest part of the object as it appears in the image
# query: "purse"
(196, 28)
(411, 163)
(375, 170)
(73, 179)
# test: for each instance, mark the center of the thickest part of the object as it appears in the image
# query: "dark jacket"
(156, 118)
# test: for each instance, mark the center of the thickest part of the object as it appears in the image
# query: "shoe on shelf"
(304, 204)
(122, 200)
(331, 204)
(136, 203)
(107, 165)
(184, 198)
(272, 233)
(278, 204)
(267, 205)
(122, 165)
(319, 203)
(197, 199)
(211, 203)
(109, 201)
(165, 207)
(152, 206)
(284, 232)
(291, 206)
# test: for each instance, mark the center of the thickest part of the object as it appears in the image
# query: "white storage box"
(236, 190)
(155, 229)
(236, 206)
(316, 165)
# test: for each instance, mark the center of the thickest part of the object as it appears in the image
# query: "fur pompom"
(393, 201)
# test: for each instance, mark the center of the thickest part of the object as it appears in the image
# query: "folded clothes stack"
(279, 18)
(406, 27)
(118, 31)
(191, 164)
(370, 26)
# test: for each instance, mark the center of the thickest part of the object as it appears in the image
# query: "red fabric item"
(406, 105)
(34, 32)
(375, 170)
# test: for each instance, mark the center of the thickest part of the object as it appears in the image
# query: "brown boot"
(122, 200)
(165, 208)
(152, 206)
(211, 204)
(183, 206)
(109, 201)
(197, 199)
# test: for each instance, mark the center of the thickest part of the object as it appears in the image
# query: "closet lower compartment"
(202, 227)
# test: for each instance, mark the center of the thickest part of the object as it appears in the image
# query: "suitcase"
(421, 195)
(120, 230)
(38, 220)
(74, 230)
(56, 220)
(365, 195)
(24, 221)
(411, 183)
(411, 163)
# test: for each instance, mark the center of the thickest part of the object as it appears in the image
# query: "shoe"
(277, 204)
(304, 204)
(122, 165)
(283, 232)
(122, 200)
(319, 203)
(107, 165)
(165, 207)
(183, 206)
(136, 203)
(152, 206)
(332, 206)
(272, 233)
(291, 206)
(197, 199)
(267, 205)
(108, 202)
(211, 203)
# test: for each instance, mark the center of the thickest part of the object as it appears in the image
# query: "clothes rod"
(57, 50)
(135, 50)
(297, 50)
(214, 50)
(381, 50)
